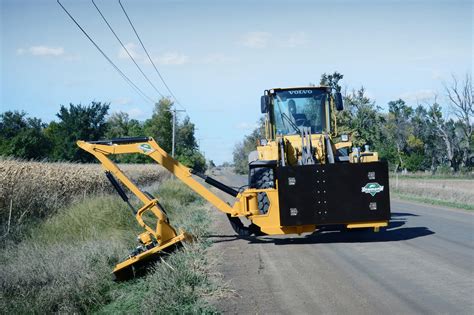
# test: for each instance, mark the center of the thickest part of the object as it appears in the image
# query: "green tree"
(448, 132)
(332, 80)
(211, 164)
(398, 128)
(119, 125)
(249, 144)
(78, 122)
(160, 125)
(361, 119)
(22, 137)
(187, 150)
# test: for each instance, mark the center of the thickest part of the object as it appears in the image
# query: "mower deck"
(134, 265)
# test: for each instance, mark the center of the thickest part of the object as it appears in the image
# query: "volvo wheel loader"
(300, 178)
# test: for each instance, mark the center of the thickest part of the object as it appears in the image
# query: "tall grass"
(32, 190)
(64, 264)
(457, 193)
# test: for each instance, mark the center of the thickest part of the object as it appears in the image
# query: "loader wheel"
(242, 230)
(261, 178)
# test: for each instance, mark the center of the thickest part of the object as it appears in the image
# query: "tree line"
(27, 137)
(435, 136)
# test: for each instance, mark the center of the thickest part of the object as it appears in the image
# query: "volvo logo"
(297, 92)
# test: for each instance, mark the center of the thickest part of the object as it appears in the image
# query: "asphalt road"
(423, 263)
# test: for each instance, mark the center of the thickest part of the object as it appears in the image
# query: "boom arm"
(149, 147)
(245, 204)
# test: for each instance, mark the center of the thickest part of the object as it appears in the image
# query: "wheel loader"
(303, 177)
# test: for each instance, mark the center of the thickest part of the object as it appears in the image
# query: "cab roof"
(320, 87)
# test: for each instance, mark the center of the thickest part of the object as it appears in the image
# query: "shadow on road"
(394, 232)
(403, 214)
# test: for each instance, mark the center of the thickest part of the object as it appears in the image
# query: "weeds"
(457, 193)
(64, 264)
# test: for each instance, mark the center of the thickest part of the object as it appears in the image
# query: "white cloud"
(132, 49)
(296, 40)
(122, 101)
(46, 51)
(169, 58)
(135, 113)
(419, 96)
(265, 39)
(256, 39)
(123, 105)
(172, 58)
(41, 50)
(218, 58)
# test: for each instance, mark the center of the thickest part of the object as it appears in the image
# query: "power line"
(125, 48)
(137, 89)
(148, 55)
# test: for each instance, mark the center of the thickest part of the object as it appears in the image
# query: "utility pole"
(173, 141)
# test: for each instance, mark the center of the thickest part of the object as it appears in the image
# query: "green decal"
(146, 148)
(372, 188)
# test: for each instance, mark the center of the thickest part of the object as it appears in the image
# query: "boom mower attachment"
(163, 237)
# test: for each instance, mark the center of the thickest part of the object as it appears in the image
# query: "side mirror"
(264, 103)
(338, 101)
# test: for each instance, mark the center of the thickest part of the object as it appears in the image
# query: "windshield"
(293, 109)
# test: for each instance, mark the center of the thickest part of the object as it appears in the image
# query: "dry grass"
(37, 189)
(456, 191)
(64, 264)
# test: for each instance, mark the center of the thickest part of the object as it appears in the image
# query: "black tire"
(262, 178)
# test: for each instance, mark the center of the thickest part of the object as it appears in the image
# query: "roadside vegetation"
(63, 264)
(62, 233)
(443, 190)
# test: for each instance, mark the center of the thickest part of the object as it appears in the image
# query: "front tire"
(262, 178)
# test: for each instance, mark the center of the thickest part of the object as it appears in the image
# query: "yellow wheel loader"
(300, 178)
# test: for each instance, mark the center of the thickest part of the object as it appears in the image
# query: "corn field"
(31, 190)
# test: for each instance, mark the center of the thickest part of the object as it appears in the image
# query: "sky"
(219, 56)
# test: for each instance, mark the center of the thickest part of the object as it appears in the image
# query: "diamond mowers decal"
(146, 148)
(372, 188)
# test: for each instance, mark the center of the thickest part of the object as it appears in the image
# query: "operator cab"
(292, 109)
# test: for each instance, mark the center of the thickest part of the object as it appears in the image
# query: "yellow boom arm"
(156, 239)
(149, 147)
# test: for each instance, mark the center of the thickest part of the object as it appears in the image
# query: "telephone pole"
(173, 141)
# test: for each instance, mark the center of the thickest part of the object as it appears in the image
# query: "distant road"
(423, 263)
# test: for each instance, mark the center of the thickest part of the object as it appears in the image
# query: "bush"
(444, 170)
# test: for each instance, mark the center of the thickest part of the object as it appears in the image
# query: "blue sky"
(219, 56)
